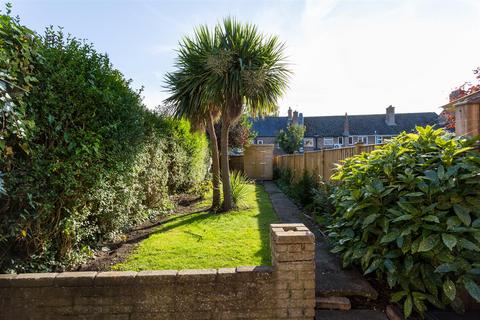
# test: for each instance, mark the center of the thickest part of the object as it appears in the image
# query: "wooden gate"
(258, 161)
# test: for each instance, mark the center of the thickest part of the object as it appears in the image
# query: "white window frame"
(330, 141)
(340, 140)
(385, 139)
(259, 141)
(350, 140)
(310, 145)
(362, 139)
(378, 140)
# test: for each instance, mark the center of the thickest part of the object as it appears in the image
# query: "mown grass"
(209, 240)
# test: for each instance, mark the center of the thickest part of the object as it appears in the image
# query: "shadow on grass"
(147, 231)
(266, 216)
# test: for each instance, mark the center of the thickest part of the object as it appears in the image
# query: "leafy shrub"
(18, 57)
(312, 195)
(410, 212)
(301, 191)
(239, 183)
(321, 205)
(93, 162)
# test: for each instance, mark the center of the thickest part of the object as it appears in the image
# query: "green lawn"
(206, 240)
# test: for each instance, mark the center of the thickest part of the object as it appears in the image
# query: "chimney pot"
(289, 113)
(295, 117)
(346, 126)
(390, 116)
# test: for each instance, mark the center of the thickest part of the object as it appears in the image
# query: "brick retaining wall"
(284, 291)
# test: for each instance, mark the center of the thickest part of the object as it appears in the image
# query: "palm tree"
(229, 71)
(247, 72)
(187, 98)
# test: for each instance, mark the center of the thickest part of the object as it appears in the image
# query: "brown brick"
(308, 246)
(295, 247)
(6, 280)
(307, 265)
(291, 237)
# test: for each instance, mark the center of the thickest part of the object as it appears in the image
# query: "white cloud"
(360, 57)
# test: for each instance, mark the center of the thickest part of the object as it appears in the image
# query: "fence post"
(358, 148)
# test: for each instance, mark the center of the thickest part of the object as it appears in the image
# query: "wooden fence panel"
(319, 163)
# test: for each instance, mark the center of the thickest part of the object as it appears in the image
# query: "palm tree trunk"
(215, 163)
(227, 193)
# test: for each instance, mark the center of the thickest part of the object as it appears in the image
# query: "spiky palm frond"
(232, 67)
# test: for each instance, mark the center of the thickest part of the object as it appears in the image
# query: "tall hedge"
(93, 161)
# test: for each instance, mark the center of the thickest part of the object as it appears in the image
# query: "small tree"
(240, 134)
(291, 139)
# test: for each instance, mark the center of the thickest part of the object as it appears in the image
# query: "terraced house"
(326, 132)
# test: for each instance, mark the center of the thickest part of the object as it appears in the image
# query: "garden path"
(331, 278)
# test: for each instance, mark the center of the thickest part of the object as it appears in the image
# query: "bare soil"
(115, 252)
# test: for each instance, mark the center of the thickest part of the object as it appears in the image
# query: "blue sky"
(355, 56)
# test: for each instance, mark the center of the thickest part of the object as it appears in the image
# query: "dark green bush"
(410, 213)
(93, 162)
(313, 196)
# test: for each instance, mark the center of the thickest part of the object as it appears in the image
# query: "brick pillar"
(293, 259)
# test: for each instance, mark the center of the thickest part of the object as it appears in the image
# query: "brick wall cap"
(115, 274)
(34, 280)
(73, 279)
(152, 273)
(294, 237)
(186, 272)
(227, 270)
(254, 269)
(115, 278)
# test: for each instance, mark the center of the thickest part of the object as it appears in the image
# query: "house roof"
(269, 126)
(333, 126)
(471, 98)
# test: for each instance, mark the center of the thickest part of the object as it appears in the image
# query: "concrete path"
(331, 278)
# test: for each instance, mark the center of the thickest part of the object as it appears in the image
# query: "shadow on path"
(331, 279)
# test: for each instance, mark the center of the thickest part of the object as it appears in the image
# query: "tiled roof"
(269, 126)
(473, 98)
(332, 126)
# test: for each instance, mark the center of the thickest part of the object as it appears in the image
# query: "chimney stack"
(300, 119)
(295, 117)
(289, 113)
(346, 126)
(390, 116)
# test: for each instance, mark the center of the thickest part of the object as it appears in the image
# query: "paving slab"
(350, 315)
(331, 279)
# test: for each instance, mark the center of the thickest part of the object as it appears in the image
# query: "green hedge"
(92, 161)
(409, 213)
